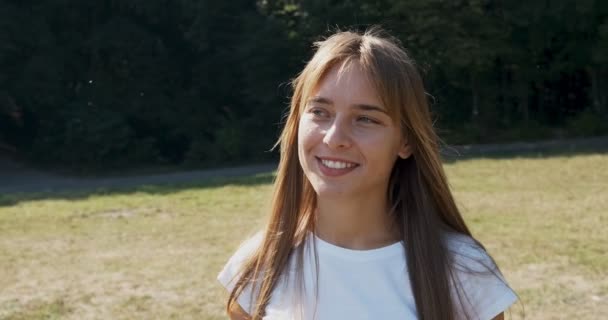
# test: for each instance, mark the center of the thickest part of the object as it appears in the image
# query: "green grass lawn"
(154, 252)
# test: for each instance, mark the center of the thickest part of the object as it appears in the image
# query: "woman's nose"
(337, 135)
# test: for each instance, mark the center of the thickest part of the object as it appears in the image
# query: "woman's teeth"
(337, 164)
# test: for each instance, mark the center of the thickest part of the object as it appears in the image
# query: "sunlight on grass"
(154, 252)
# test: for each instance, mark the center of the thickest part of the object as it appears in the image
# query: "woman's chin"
(324, 191)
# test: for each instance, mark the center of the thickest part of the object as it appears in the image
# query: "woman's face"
(347, 142)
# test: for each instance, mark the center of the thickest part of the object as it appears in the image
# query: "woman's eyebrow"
(369, 107)
(361, 106)
(320, 100)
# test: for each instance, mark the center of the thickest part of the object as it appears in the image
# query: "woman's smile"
(347, 142)
(333, 167)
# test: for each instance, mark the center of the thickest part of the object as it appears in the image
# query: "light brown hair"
(419, 194)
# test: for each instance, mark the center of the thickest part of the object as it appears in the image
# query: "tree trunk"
(601, 85)
(523, 102)
(475, 97)
(521, 86)
(504, 98)
(596, 99)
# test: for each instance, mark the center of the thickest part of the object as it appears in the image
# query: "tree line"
(129, 82)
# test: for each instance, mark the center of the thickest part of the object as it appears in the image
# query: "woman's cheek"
(309, 130)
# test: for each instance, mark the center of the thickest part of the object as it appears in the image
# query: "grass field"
(154, 252)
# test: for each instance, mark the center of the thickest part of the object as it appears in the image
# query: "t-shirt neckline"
(359, 255)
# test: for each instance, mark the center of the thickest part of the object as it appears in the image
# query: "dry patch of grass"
(52, 310)
(155, 252)
(544, 221)
(147, 254)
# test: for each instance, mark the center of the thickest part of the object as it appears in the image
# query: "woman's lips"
(333, 167)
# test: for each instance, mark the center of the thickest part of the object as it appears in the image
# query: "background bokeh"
(188, 82)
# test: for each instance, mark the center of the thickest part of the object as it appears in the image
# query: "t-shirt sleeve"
(483, 290)
(230, 273)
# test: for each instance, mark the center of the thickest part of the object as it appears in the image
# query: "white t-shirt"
(366, 284)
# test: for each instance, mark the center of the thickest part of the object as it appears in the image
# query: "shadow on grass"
(159, 189)
(546, 149)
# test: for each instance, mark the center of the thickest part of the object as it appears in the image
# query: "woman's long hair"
(419, 194)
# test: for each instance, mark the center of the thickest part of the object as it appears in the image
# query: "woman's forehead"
(349, 81)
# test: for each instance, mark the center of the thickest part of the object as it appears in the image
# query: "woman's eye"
(318, 113)
(365, 119)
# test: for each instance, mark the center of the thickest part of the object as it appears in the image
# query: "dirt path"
(15, 177)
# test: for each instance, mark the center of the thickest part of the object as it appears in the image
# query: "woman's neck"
(358, 224)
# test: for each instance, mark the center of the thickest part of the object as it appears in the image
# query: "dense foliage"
(114, 82)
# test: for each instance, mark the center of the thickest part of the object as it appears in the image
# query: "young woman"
(363, 224)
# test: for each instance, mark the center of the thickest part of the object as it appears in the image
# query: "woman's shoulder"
(229, 275)
(250, 245)
(481, 288)
(245, 250)
(466, 252)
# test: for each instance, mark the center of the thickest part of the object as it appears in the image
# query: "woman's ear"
(405, 151)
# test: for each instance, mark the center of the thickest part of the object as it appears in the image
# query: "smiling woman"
(363, 223)
(345, 132)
